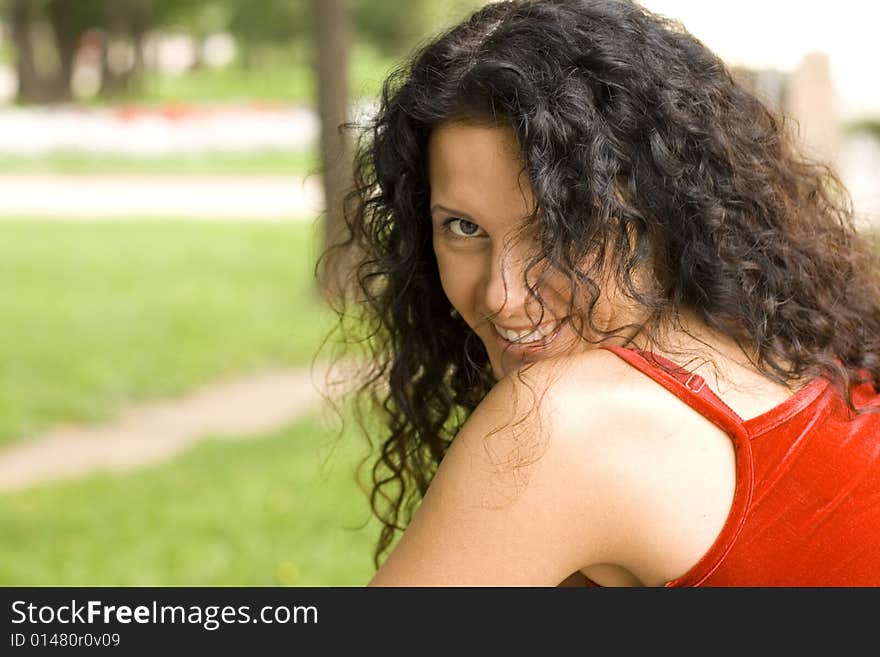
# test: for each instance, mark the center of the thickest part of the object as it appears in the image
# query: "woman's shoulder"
(666, 471)
(600, 391)
(563, 467)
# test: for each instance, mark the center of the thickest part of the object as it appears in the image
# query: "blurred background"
(164, 170)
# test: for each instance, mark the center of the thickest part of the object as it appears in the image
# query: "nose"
(506, 294)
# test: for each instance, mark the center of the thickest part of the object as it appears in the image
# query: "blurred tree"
(44, 58)
(332, 40)
(277, 23)
(196, 17)
(47, 33)
(65, 27)
(255, 26)
(396, 26)
(29, 81)
(126, 23)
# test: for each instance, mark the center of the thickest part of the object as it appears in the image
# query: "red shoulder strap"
(693, 391)
(689, 387)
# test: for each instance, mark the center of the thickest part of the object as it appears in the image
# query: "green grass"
(277, 510)
(97, 314)
(76, 162)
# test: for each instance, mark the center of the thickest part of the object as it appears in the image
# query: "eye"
(465, 228)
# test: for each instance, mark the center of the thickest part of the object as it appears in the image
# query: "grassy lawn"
(277, 510)
(239, 164)
(94, 315)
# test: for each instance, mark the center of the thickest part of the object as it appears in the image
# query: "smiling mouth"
(527, 337)
(525, 345)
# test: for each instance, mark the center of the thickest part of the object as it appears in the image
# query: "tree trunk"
(332, 37)
(119, 27)
(140, 25)
(66, 34)
(29, 88)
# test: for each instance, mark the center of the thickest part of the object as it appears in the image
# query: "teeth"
(527, 335)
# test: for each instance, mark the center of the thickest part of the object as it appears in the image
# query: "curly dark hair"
(637, 141)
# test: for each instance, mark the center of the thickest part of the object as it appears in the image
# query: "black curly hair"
(637, 141)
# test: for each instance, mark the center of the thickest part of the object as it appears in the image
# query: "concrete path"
(259, 198)
(152, 432)
(158, 130)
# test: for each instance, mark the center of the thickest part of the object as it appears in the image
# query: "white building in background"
(812, 100)
(759, 35)
(822, 56)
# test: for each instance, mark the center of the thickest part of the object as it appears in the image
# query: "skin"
(587, 482)
(478, 199)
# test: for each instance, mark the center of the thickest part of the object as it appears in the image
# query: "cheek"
(557, 293)
(460, 279)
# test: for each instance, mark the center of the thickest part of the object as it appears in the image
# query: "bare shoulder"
(665, 471)
(600, 393)
(590, 399)
(572, 464)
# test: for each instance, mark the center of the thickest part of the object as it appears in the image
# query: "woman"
(619, 331)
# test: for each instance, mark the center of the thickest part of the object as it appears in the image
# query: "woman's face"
(478, 199)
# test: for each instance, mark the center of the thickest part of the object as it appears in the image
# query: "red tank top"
(806, 506)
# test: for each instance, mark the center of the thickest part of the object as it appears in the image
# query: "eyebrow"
(443, 208)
